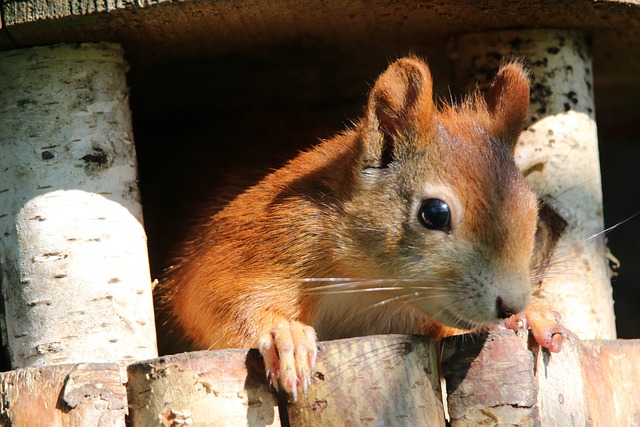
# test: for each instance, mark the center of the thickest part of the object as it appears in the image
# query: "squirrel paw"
(544, 324)
(289, 351)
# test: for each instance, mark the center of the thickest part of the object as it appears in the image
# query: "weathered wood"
(64, 395)
(331, 29)
(490, 380)
(385, 380)
(611, 375)
(389, 380)
(234, 25)
(332, 33)
(216, 388)
(73, 253)
(496, 379)
(561, 393)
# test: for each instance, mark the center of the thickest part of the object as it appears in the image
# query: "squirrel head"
(438, 198)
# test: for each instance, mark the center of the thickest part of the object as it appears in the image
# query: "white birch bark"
(75, 271)
(558, 153)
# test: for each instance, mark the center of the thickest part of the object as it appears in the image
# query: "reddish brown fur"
(213, 316)
(237, 277)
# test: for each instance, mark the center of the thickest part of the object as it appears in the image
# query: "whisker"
(559, 195)
(419, 296)
(441, 311)
(549, 266)
(353, 291)
(566, 255)
(450, 287)
(613, 227)
(377, 230)
(556, 171)
(325, 279)
(361, 279)
(390, 300)
(357, 285)
(569, 273)
(336, 289)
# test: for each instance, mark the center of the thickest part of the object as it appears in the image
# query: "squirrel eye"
(434, 214)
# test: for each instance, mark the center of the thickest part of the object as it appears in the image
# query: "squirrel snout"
(506, 308)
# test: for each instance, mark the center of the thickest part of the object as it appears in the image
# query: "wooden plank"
(64, 395)
(206, 388)
(328, 33)
(611, 375)
(373, 381)
(230, 26)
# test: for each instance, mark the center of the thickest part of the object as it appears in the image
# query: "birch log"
(75, 271)
(385, 380)
(202, 388)
(499, 379)
(558, 153)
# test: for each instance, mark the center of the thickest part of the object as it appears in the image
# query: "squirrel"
(414, 221)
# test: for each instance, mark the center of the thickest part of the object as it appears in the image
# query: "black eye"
(435, 215)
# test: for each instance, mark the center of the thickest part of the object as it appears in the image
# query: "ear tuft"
(508, 101)
(400, 102)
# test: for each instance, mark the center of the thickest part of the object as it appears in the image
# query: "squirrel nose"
(504, 310)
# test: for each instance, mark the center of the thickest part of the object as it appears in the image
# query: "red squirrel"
(416, 220)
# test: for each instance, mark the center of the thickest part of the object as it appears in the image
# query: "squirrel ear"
(508, 101)
(400, 102)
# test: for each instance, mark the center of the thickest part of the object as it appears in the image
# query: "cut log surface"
(611, 376)
(562, 397)
(64, 395)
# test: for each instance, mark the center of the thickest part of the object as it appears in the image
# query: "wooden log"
(561, 393)
(381, 380)
(373, 381)
(64, 395)
(558, 153)
(496, 379)
(73, 252)
(490, 380)
(206, 388)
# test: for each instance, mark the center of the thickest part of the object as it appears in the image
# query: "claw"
(545, 326)
(289, 351)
